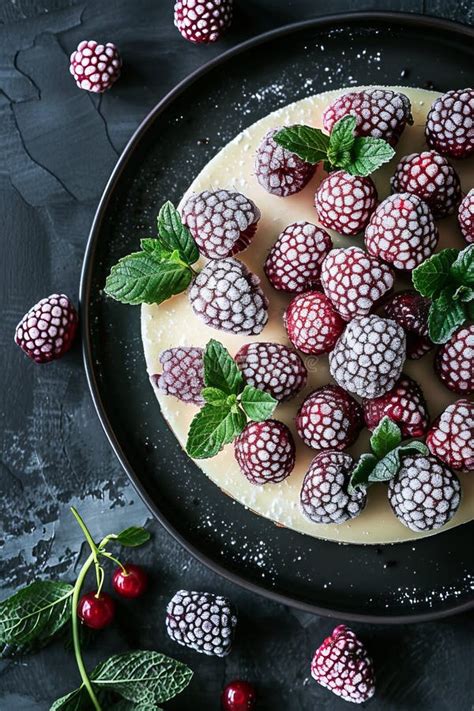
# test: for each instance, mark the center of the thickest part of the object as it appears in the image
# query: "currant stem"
(99, 574)
(115, 560)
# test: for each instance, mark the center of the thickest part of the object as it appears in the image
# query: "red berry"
(329, 418)
(47, 331)
(402, 231)
(238, 695)
(95, 67)
(345, 202)
(279, 171)
(313, 326)
(265, 451)
(404, 404)
(183, 373)
(96, 611)
(450, 436)
(466, 217)
(131, 583)
(202, 21)
(272, 367)
(410, 311)
(430, 176)
(449, 126)
(453, 362)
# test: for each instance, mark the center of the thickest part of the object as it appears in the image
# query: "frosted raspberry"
(404, 404)
(183, 374)
(95, 67)
(466, 217)
(430, 176)
(380, 113)
(294, 262)
(425, 494)
(47, 331)
(454, 359)
(354, 281)
(272, 367)
(329, 418)
(449, 124)
(279, 171)
(221, 222)
(410, 311)
(265, 452)
(203, 21)
(227, 296)
(368, 358)
(402, 231)
(312, 324)
(451, 437)
(345, 202)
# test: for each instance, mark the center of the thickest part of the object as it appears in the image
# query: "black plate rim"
(415, 19)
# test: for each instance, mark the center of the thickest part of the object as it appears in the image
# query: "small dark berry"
(131, 583)
(238, 696)
(95, 611)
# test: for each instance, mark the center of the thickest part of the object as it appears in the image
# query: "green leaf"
(257, 404)
(360, 474)
(214, 396)
(341, 141)
(445, 316)
(220, 369)
(464, 293)
(77, 700)
(143, 677)
(309, 143)
(430, 277)
(412, 447)
(175, 235)
(141, 278)
(463, 268)
(386, 436)
(133, 537)
(212, 428)
(388, 467)
(368, 154)
(153, 246)
(31, 617)
(125, 705)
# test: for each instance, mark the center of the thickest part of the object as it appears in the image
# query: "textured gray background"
(57, 147)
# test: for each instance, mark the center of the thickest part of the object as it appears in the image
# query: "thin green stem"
(115, 560)
(99, 573)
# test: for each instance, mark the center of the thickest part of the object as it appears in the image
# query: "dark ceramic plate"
(397, 583)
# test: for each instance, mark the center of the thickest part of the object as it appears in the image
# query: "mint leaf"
(445, 316)
(220, 369)
(430, 277)
(214, 396)
(360, 474)
(212, 428)
(309, 143)
(257, 404)
(386, 436)
(133, 537)
(175, 235)
(412, 447)
(464, 293)
(368, 154)
(141, 278)
(463, 268)
(153, 246)
(77, 700)
(387, 468)
(341, 141)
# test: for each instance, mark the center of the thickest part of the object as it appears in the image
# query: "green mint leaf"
(133, 537)
(31, 617)
(389, 466)
(414, 446)
(214, 396)
(153, 246)
(309, 143)
(445, 316)
(341, 141)
(220, 369)
(368, 154)
(386, 436)
(463, 268)
(142, 677)
(257, 404)
(77, 700)
(175, 235)
(140, 278)
(430, 277)
(212, 428)
(464, 293)
(360, 474)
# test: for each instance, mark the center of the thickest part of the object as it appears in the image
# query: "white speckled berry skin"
(265, 452)
(272, 367)
(450, 124)
(279, 171)
(454, 361)
(345, 202)
(95, 67)
(451, 437)
(404, 404)
(466, 217)
(182, 375)
(47, 331)
(329, 418)
(202, 21)
(312, 324)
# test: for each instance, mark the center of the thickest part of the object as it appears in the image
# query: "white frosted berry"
(279, 171)
(450, 124)
(312, 324)
(47, 331)
(183, 373)
(345, 202)
(329, 418)
(202, 21)
(272, 367)
(265, 452)
(454, 361)
(94, 66)
(466, 217)
(451, 437)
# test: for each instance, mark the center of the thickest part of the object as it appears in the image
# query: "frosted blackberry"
(450, 438)
(430, 176)
(368, 358)
(449, 124)
(294, 262)
(227, 296)
(324, 496)
(201, 621)
(354, 281)
(95, 67)
(272, 367)
(411, 311)
(425, 494)
(466, 217)
(454, 359)
(221, 222)
(202, 21)
(265, 452)
(329, 418)
(47, 331)
(183, 374)
(312, 324)
(404, 404)
(279, 171)
(380, 113)
(345, 202)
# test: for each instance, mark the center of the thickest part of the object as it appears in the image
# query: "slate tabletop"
(58, 146)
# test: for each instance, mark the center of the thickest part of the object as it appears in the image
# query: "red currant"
(238, 696)
(132, 583)
(96, 611)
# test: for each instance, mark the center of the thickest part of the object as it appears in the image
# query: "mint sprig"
(447, 278)
(356, 155)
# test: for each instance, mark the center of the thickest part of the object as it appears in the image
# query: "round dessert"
(174, 324)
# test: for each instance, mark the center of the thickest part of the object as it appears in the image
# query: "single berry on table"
(345, 202)
(95, 67)
(131, 582)
(238, 695)
(272, 367)
(449, 124)
(454, 359)
(312, 324)
(279, 171)
(329, 418)
(404, 404)
(411, 310)
(265, 452)
(450, 437)
(183, 373)
(203, 21)
(47, 331)
(466, 217)
(96, 611)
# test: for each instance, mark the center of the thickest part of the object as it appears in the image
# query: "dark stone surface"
(57, 147)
